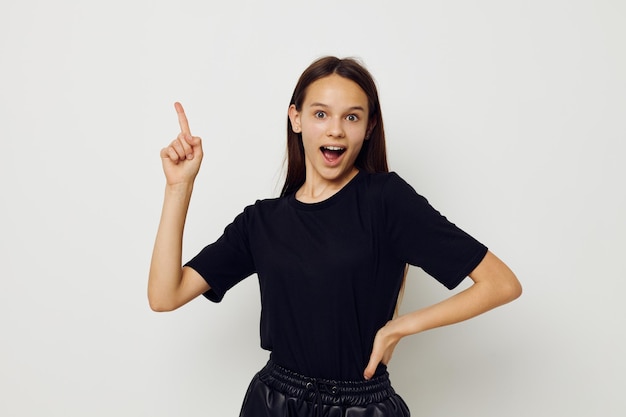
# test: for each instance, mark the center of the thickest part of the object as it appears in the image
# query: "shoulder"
(255, 215)
(396, 197)
(263, 207)
(388, 184)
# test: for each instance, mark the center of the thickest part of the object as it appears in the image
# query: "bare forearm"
(165, 267)
(477, 299)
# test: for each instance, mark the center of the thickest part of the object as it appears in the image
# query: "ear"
(294, 117)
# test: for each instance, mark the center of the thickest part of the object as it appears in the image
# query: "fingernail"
(189, 156)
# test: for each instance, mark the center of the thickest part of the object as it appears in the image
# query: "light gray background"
(507, 115)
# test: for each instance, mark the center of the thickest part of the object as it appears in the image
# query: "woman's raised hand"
(182, 158)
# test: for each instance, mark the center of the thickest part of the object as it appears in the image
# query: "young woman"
(330, 254)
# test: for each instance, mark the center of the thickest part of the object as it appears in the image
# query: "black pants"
(278, 392)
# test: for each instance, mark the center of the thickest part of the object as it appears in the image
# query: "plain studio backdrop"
(509, 116)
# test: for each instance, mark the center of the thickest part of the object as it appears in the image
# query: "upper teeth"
(333, 148)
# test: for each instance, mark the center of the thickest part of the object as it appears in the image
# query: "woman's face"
(333, 121)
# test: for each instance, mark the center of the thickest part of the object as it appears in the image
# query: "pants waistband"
(325, 391)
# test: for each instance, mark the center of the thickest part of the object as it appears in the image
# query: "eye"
(320, 114)
(352, 118)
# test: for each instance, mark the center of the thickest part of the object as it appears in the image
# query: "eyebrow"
(326, 106)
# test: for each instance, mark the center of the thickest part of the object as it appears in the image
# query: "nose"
(335, 128)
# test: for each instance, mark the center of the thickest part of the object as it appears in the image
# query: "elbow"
(504, 281)
(160, 305)
(512, 290)
(518, 290)
(159, 308)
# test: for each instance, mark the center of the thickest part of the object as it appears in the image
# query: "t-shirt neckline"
(327, 202)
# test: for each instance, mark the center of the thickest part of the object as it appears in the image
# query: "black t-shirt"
(330, 272)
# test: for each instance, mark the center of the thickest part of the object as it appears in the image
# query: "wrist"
(177, 194)
(402, 326)
(179, 188)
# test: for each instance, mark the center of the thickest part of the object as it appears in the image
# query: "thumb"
(196, 145)
(375, 359)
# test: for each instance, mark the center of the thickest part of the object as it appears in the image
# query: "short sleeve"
(228, 260)
(421, 236)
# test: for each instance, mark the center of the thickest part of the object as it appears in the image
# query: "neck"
(318, 189)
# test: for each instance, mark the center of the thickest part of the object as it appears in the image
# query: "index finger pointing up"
(182, 118)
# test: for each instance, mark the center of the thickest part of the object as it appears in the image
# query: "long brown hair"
(373, 154)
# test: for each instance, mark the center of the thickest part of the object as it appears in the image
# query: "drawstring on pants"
(317, 387)
(277, 390)
(325, 391)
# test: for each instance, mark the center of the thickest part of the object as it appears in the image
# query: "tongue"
(331, 155)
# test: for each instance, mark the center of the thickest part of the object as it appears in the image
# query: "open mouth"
(332, 153)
